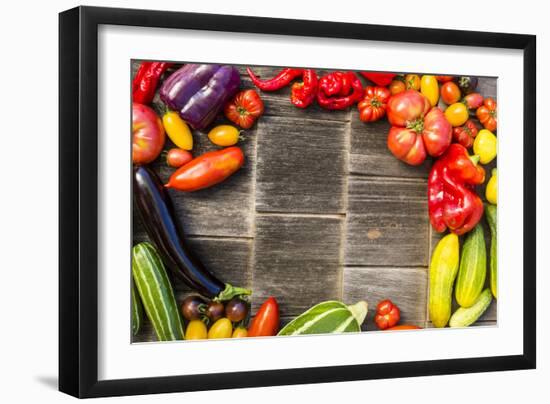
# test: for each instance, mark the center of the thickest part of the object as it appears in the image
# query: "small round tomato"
(397, 85)
(487, 114)
(224, 135)
(236, 309)
(450, 93)
(387, 314)
(240, 332)
(473, 100)
(178, 157)
(196, 329)
(221, 329)
(457, 114)
(412, 81)
(444, 79)
(147, 134)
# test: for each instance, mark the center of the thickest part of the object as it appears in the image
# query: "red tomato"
(147, 134)
(266, 321)
(387, 314)
(473, 100)
(444, 79)
(465, 134)
(487, 114)
(416, 129)
(206, 170)
(244, 108)
(450, 93)
(373, 106)
(178, 157)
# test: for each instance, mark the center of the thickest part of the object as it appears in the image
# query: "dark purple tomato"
(193, 307)
(236, 309)
(215, 310)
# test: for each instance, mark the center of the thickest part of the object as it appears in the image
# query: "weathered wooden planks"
(406, 287)
(387, 223)
(300, 165)
(296, 259)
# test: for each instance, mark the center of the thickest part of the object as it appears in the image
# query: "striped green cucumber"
(491, 214)
(463, 316)
(137, 310)
(328, 318)
(472, 269)
(443, 270)
(156, 292)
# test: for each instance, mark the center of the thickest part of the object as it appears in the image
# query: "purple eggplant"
(199, 92)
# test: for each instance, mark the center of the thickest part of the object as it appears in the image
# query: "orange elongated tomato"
(206, 170)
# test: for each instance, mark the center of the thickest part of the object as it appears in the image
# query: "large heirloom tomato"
(416, 129)
(147, 134)
(373, 106)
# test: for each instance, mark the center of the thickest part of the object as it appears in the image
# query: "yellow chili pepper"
(196, 329)
(492, 187)
(430, 88)
(177, 130)
(485, 146)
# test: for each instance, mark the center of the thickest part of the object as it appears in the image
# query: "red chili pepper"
(452, 201)
(339, 90)
(281, 80)
(145, 82)
(380, 79)
(302, 94)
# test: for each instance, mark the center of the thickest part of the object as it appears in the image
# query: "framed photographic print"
(308, 210)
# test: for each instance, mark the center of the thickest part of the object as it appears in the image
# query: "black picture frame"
(78, 206)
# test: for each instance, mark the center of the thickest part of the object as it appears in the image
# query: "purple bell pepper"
(199, 92)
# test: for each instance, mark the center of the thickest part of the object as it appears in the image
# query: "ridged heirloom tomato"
(416, 129)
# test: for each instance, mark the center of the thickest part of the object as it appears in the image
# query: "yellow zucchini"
(443, 270)
(473, 268)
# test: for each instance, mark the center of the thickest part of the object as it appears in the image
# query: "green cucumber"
(156, 292)
(463, 317)
(137, 310)
(491, 214)
(472, 269)
(328, 318)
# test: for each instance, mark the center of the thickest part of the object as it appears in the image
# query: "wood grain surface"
(321, 210)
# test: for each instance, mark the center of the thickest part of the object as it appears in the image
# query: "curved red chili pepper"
(282, 79)
(146, 79)
(302, 94)
(339, 90)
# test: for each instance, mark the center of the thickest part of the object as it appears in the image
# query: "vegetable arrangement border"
(78, 181)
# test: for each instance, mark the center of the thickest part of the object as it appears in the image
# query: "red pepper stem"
(474, 159)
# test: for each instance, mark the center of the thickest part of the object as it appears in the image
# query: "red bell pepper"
(339, 90)
(452, 200)
(380, 79)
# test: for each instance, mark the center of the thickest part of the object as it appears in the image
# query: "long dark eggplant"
(157, 215)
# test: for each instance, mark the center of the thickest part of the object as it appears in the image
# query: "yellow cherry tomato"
(430, 88)
(491, 189)
(221, 329)
(240, 332)
(196, 329)
(412, 81)
(457, 114)
(224, 135)
(485, 146)
(177, 130)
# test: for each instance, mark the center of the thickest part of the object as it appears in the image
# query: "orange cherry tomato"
(412, 81)
(206, 170)
(397, 86)
(178, 157)
(450, 93)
